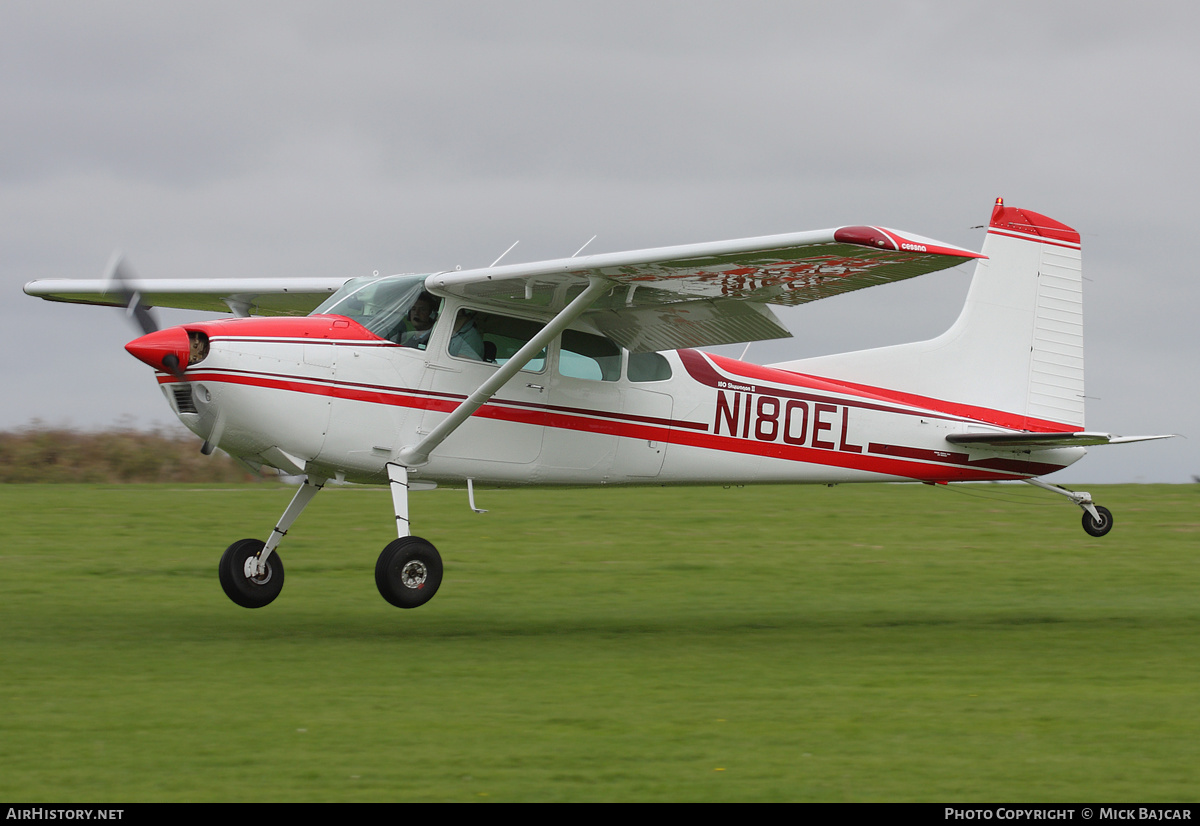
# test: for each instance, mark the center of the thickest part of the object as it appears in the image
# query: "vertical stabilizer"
(1017, 346)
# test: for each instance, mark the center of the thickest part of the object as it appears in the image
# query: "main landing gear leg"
(409, 570)
(1097, 519)
(251, 572)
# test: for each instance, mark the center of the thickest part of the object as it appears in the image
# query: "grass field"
(863, 643)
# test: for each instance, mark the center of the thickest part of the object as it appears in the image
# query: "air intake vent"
(183, 398)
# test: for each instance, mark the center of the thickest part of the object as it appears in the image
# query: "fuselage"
(325, 395)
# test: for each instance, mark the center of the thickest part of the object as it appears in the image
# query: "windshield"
(379, 303)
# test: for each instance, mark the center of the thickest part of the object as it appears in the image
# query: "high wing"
(659, 299)
(240, 296)
(704, 294)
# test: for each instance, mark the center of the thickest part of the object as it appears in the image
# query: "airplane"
(585, 371)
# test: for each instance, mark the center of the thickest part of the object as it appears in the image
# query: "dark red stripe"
(383, 394)
(1020, 466)
(701, 366)
(921, 465)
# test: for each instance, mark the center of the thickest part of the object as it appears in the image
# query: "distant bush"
(37, 454)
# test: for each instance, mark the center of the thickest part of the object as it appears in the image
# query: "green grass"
(858, 643)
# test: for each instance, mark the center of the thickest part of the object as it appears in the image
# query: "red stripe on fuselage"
(314, 329)
(702, 367)
(423, 399)
(911, 463)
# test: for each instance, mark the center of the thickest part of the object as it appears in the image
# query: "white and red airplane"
(581, 371)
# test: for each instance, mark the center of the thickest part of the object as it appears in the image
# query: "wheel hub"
(413, 574)
(250, 569)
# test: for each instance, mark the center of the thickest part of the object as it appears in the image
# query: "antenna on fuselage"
(590, 240)
(506, 252)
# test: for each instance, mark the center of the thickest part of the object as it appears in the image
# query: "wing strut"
(418, 454)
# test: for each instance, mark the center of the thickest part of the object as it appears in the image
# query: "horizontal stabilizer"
(1044, 441)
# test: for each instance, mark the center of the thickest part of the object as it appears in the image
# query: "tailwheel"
(408, 572)
(241, 579)
(1101, 526)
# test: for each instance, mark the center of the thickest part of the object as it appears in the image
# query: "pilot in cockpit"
(421, 316)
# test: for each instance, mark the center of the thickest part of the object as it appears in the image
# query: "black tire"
(1101, 527)
(409, 572)
(249, 592)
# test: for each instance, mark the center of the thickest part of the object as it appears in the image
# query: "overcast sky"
(335, 139)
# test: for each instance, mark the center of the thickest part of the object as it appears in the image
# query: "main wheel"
(240, 578)
(1098, 527)
(408, 572)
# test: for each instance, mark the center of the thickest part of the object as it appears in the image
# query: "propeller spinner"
(166, 350)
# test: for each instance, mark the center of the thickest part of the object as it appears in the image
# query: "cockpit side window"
(418, 324)
(396, 308)
(492, 338)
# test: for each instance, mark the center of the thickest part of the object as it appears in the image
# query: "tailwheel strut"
(1097, 519)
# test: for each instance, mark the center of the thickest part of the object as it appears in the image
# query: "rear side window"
(587, 356)
(648, 367)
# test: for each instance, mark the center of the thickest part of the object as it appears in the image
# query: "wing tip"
(888, 239)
